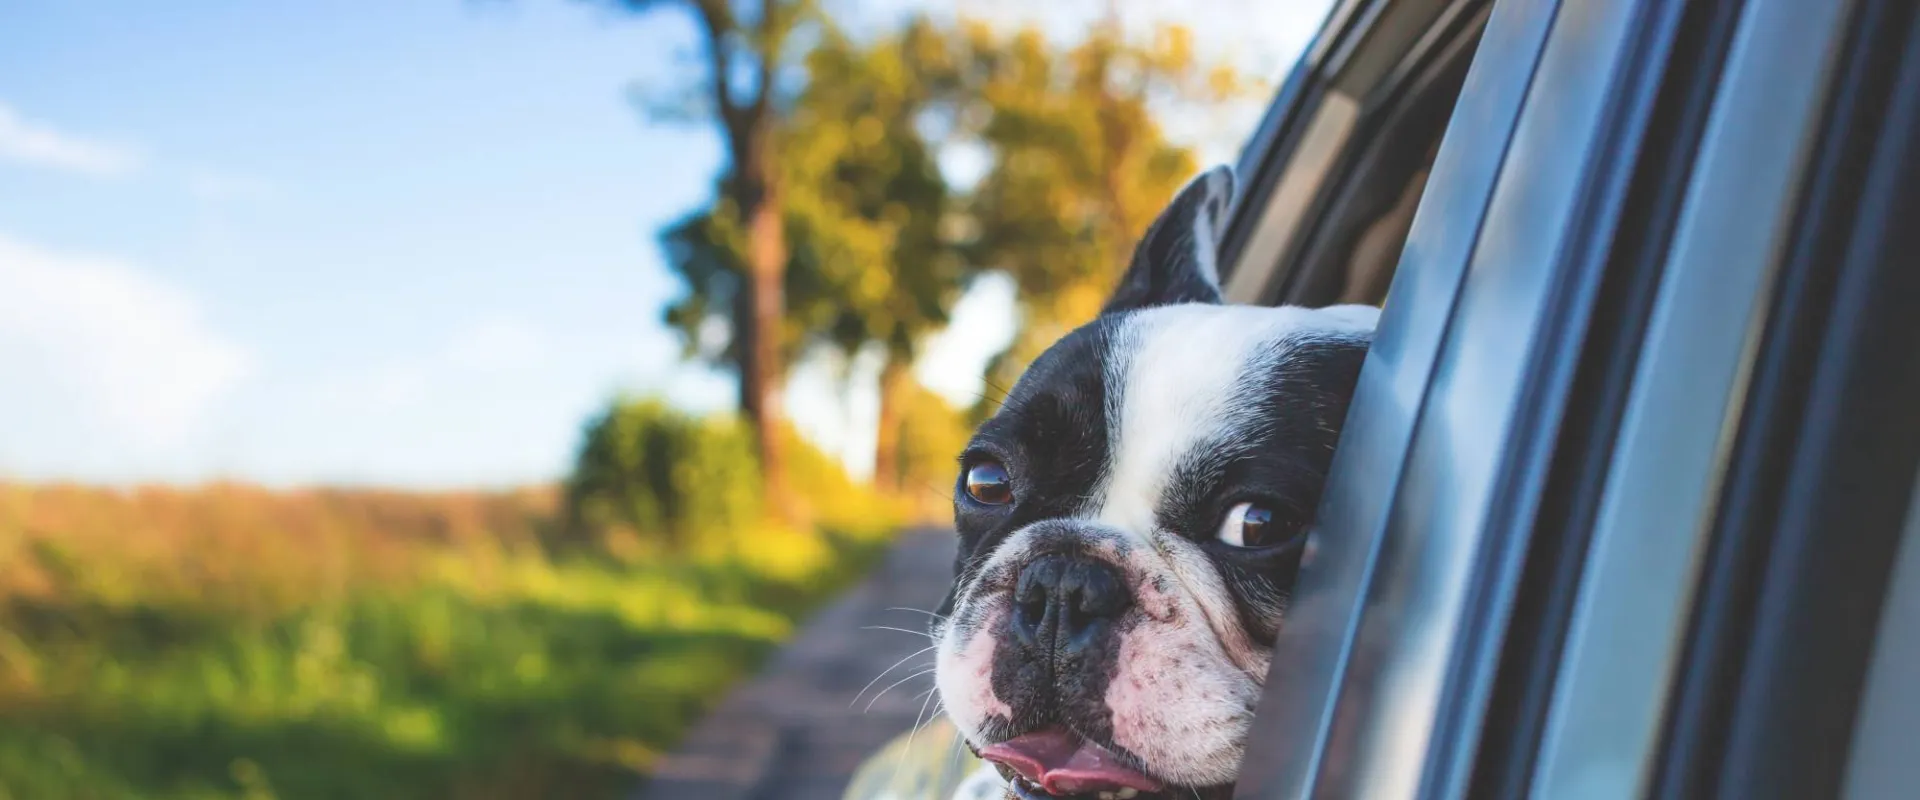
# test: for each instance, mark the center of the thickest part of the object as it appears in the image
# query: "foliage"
(646, 469)
(870, 206)
(880, 244)
(932, 434)
(1080, 163)
(651, 479)
(864, 206)
(744, 79)
(868, 221)
(235, 642)
(241, 546)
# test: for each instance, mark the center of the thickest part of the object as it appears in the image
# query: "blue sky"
(362, 242)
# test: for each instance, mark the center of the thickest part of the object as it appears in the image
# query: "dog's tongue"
(1062, 763)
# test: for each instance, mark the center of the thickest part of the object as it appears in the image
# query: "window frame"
(1315, 649)
(1789, 611)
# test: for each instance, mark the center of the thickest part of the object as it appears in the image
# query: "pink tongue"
(1062, 763)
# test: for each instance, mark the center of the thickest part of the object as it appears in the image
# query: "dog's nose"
(1067, 602)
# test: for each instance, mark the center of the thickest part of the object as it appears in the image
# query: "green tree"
(868, 217)
(1080, 164)
(876, 211)
(877, 245)
(748, 50)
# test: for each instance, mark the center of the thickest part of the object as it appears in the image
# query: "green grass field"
(232, 642)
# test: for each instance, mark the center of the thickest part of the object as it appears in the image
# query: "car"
(1620, 503)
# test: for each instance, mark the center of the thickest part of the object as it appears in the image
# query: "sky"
(400, 242)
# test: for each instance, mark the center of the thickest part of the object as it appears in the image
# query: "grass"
(233, 642)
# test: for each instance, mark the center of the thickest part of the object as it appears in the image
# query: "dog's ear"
(1178, 260)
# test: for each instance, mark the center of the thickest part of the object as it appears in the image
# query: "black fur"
(1168, 266)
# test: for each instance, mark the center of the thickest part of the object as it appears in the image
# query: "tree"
(875, 209)
(1080, 165)
(874, 246)
(870, 258)
(746, 48)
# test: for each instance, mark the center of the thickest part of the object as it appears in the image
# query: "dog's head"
(1130, 523)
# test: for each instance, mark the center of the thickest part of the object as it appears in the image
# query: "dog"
(1131, 520)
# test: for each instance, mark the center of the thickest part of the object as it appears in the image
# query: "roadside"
(793, 732)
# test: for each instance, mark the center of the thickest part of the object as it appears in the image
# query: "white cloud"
(113, 350)
(35, 143)
(30, 142)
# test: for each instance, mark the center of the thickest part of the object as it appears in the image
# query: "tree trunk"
(896, 379)
(755, 189)
(760, 368)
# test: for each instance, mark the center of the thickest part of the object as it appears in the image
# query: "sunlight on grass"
(152, 647)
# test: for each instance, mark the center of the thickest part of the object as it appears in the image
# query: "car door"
(1567, 549)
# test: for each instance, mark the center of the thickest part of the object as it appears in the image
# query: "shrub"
(650, 475)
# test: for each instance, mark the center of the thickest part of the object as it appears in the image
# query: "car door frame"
(1495, 408)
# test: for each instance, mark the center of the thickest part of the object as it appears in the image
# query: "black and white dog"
(1130, 523)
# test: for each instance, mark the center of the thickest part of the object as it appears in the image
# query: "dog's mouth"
(1056, 763)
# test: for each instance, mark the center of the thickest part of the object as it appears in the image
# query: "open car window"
(1337, 169)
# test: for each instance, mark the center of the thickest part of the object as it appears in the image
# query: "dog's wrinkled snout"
(1067, 602)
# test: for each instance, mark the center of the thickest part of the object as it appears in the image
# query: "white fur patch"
(963, 668)
(1180, 706)
(1183, 694)
(1174, 386)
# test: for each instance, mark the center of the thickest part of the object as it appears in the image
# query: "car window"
(1336, 173)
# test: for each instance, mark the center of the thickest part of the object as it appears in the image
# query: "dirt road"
(792, 732)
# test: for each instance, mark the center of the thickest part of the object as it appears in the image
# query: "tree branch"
(773, 33)
(718, 21)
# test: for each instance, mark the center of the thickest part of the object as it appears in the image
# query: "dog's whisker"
(953, 752)
(938, 707)
(991, 391)
(918, 611)
(902, 760)
(937, 491)
(897, 630)
(922, 720)
(883, 673)
(883, 692)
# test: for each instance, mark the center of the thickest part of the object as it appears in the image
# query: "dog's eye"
(1250, 525)
(988, 483)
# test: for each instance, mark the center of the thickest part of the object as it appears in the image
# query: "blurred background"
(454, 398)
